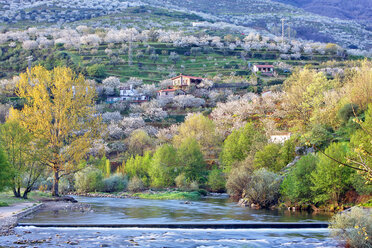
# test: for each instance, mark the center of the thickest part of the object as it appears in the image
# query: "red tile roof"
(187, 77)
(264, 66)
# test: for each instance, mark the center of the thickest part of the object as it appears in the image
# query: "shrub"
(237, 181)
(216, 180)
(181, 181)
(194, 185)
(347, 111)
(115, 183)
(135, 184)
(65, 185)
(88, 180)
(354, 227)
(263, 188)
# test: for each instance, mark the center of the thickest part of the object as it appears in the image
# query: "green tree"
(6, 171)
(241, 143)
(191, 160)
(202, 129)
(138, 142)
(216, 180)
(296, 186)
(22, 154)
(302, 95)
(60, 113)
(96, 70)
(330, 180)
(163, 168)
(269, 158)
(139, 166)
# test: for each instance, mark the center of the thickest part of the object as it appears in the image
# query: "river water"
(138, 211)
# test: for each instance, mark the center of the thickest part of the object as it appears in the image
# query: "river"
(210, 210)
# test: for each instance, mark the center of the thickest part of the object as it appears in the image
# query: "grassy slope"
(7, 198)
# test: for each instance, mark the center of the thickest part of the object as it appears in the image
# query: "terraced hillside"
(152, 61)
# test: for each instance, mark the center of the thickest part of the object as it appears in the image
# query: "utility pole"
(282, 30)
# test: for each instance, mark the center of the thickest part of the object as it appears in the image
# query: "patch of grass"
(367, 204)
(8, 198)
(170, 196)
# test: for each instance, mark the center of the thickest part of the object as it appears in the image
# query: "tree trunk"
(16, 193)
(55, 184)
(25, 193)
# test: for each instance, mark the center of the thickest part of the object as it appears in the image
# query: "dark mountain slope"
(360, 10)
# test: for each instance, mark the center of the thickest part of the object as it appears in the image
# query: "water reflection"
(127, 211)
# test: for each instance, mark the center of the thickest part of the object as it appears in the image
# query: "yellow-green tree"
(59, 111)
(202, 129)
(358, 87)
(304, 93)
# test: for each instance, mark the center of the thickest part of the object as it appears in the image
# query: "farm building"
(184, 82)
(170, 93)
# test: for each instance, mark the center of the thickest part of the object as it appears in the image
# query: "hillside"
(222, 17)
(352, 9)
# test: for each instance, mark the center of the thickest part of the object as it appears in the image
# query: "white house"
(268, 69)
(128, 94)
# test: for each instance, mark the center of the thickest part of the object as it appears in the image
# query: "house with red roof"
(170, 93)
(265, 69)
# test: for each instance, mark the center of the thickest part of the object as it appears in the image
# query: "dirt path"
(6, 212)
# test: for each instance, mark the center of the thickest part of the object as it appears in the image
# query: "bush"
(65, 185)
(115, 183)
(135, 184)
(263, 188)
(181, 181)
(88, 180)
(194, 185)
(354, 227)
(237, 181)
(348, 111)
(216, 180)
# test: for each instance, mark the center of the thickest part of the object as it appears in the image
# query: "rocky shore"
(123, 195)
